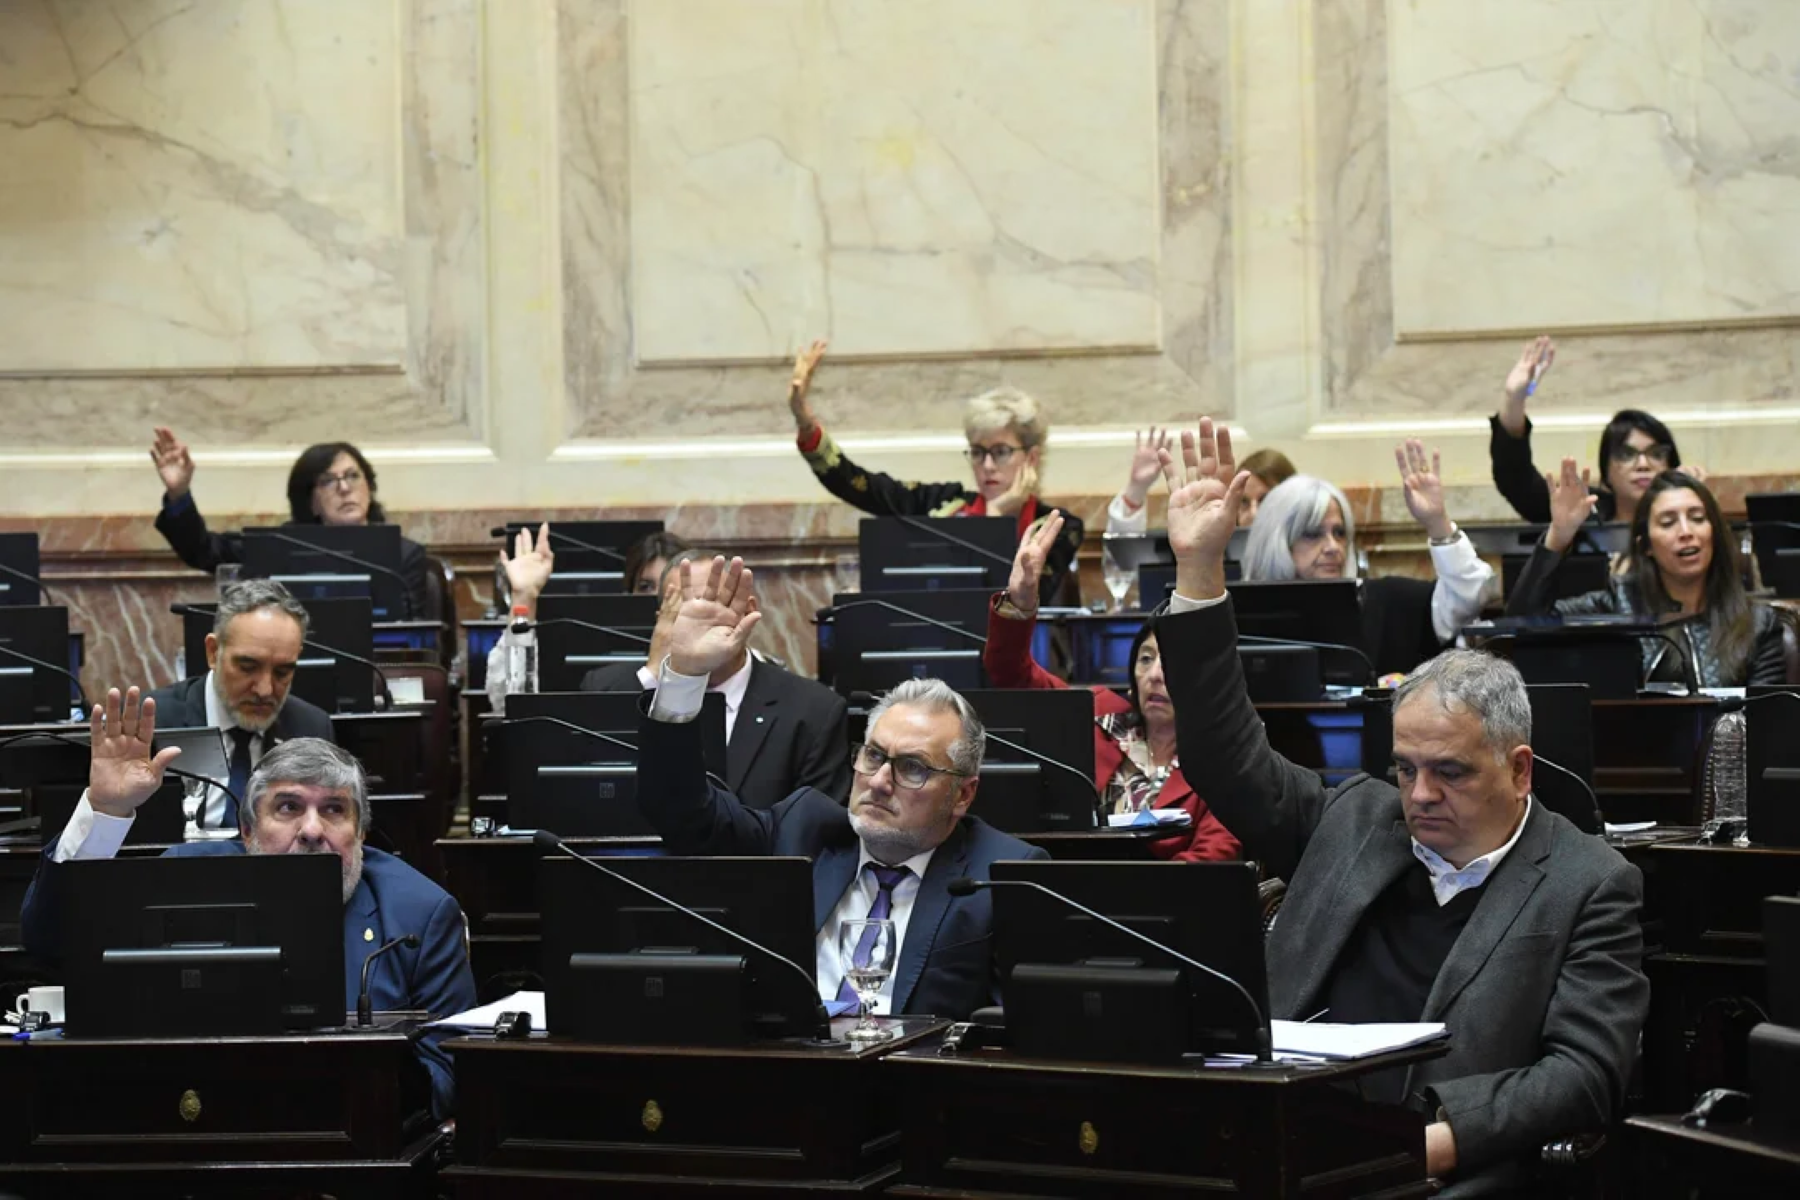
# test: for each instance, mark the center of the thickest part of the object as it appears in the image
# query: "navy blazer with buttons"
(392, 901)
(946, 963)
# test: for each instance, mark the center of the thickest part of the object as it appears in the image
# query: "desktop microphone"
(1099, 800)
(84, 741)
(48, 666)
(549, 841)
(624, 635)
(968, 887)
(386, 698)
(364, 1017)
(597, 735)
(556, 535)
(397, 577)
(31, 579)
(944, 535)
(832, 610)
(1368, 662)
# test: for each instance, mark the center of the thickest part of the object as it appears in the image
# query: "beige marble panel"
(954, 346)
(378, 178)
(863, 171)
(200, 186)
(1612, 163)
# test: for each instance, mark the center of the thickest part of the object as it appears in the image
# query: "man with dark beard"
(306, 797)
(893, 852)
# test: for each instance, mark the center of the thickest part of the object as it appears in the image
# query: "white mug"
(41, 999)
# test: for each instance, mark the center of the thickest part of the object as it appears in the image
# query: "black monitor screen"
(1772, 764)
(192, 945)
(1323, 611)
(1020, 794)
(932, 553)
(18, 568)
(336, 682)
(1775, 532)
(54, 769)
(1562, 731)
(596, 930)
(873, 647)
(590, 555)
(332, 562)
(41, 633)
(570, 645)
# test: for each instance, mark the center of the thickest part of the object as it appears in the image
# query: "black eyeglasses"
(349, 478)
(1660, 455)
(1001, 454)
(910, 771)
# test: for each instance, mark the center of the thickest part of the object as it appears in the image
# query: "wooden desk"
(215, 1116)
(1729, 1162)
(544, 1116)
(990, 1123)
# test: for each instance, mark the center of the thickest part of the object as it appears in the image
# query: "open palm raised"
(716, 617)
(1205, 492)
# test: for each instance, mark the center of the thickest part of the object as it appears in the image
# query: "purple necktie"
(886, 879)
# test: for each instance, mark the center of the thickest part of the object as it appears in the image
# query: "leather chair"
(1790, 641)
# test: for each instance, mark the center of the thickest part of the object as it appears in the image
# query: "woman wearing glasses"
(1135, 762)
(1635, 448)
(330, 484)
(1006, 455)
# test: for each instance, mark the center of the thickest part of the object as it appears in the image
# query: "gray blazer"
(1542, 992)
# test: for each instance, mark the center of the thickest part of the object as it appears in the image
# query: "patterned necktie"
(886, 880)
(240, 774)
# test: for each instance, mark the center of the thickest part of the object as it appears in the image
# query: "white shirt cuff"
(1463, 582)
(91, 834)
(678, 697)
(646, 677)
(1120, 518)
(1179, 603)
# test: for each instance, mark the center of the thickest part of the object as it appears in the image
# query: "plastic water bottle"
(522, 657)
(1726, 784)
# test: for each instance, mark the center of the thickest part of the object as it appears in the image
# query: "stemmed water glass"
(866, 949)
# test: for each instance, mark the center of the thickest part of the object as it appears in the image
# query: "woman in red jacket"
(1135, 763)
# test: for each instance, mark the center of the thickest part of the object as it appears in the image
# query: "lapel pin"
(368, 935)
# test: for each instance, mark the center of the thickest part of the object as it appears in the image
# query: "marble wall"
(555, 255)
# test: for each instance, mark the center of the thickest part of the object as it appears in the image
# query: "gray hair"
(1476, 682)
(311, 761)
(250, 595)
(1292, 509)
(1006, 408)
(934, 695)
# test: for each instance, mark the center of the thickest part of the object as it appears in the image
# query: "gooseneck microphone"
(832, 610)
(822, 1019)
(364, 1016)
(328, 552)
(49, 666)
(557, 535)
(41, 586)
(968, 887)
(1099, 801)
(624, 635)
(1343, 647)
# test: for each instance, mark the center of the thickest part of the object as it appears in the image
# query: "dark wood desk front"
(214, 1116)
(550, 1117)
(1722, 1162)
(992, 1124)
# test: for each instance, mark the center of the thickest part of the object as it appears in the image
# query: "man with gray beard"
(905, 835)
(306, 796)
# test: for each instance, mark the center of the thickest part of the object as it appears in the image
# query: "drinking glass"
(866, 949)
(1119, 575)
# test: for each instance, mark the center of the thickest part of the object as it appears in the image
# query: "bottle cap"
(521, 610)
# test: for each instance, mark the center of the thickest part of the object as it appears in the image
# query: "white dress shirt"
(855, 904)
(91, 833)
(500, 685)
(212, 808)
(1447, 881)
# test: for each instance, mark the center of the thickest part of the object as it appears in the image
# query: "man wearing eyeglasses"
(891, 853)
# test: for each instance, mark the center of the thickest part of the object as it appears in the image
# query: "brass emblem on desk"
(653, 1116)
(1090, 1138)
(190, 1106)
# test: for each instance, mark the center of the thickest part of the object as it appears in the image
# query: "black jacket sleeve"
(1516, 475)
(413, 566)
(1768, 656)
(878, 494)
(185, 530)
(692, 814)
(1535, 592)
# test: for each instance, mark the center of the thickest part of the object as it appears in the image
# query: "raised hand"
(173, 462)
(1024, 487)
(667, 609)
(717, 614)
(528, 570)
(1028, 563)
(1534, 362)
(1146, 465)
(1424, 486)
(121, 772)
(1205, 493)
(805, 363)
(1570, 504)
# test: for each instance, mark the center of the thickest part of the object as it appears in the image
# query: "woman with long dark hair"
(1684, 570)
(330, 484)
(1135, 762)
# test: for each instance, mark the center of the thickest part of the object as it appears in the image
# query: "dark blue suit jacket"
(946, 964)
(391, 901)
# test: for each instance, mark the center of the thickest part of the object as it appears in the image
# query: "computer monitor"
(1156, 567)
(18, 557)
(910, 554)
(1772, 765)
(1018, 793)
(334, 682)
(1603, 652)
(54, 770)
(1781, 950)
(874, 647)
(1578, 574)
(203, 945)
(567, 652)
(363, 560)
(622, 967)
(1279, 674)
(1325, 611)
(590, 555)
(1076, 988)
(1562, 731)
(580, 786)
(1775, 533)
(40, 632)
